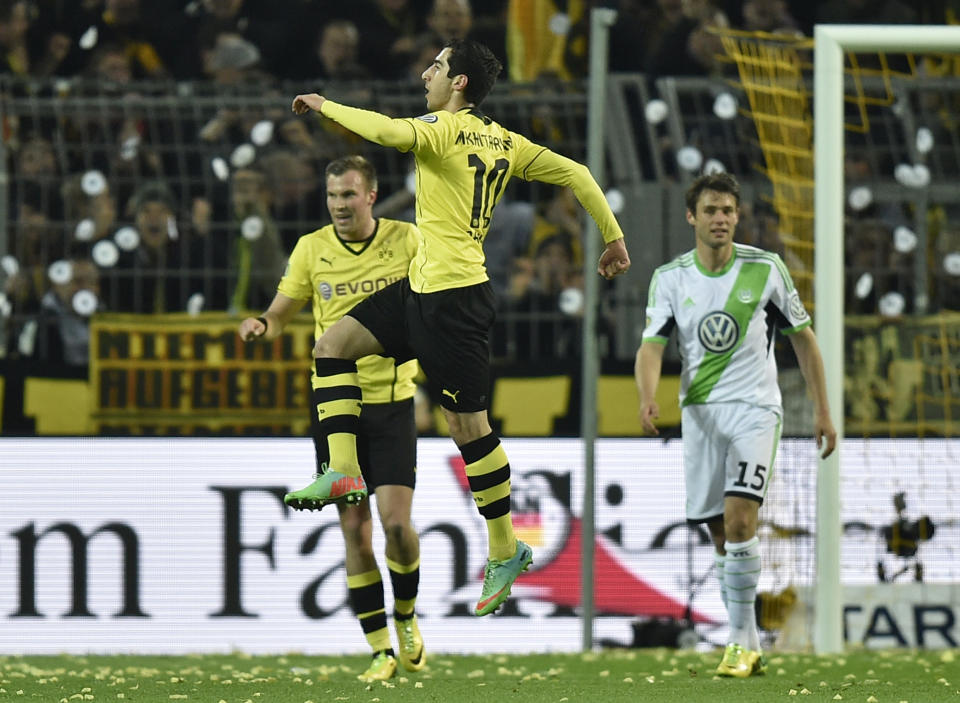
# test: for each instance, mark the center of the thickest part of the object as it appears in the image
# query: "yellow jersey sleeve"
(295, 283)
(373, 126)
(549, 167)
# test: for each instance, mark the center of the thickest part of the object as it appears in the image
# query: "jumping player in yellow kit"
(442, 313)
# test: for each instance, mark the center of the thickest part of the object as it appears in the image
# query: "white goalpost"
(830, 43)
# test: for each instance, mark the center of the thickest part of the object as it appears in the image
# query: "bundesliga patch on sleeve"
(429, 118)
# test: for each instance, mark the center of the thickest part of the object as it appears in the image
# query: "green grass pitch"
(888, 676)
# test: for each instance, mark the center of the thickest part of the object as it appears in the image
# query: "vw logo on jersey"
(325, 290)
(797, 311)
(719, 331)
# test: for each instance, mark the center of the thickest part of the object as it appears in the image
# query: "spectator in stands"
(634, 29)
(316, 147)
(426, 46)
(450, 19)
(35, 161)
(457, 19)
(537, 329)
(685, 45)
(18, 54)
(155, 276)
(35, 193)
(337, 50)
(256, 254)
(110, 67)
(760, 227)
(63, 324)
(90, 208)
(388, 29)
(14, 24)
(488, 27)
(559, 216)
(260, 25)
(127, 24)
(232, 60)
(297, 198)
(772, 16)
(36, 243)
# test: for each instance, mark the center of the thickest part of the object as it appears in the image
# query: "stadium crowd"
(99, 218)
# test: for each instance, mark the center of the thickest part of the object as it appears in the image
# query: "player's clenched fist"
(307, 102)
(251, 328)
(614, 260)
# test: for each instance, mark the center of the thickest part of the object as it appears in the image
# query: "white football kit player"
(725, 322)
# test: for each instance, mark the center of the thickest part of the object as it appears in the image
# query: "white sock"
(741, 573)
(718, 563)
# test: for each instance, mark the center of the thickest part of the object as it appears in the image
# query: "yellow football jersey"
(463, 161)
(336, 275)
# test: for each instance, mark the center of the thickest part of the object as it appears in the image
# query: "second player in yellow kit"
(334, 268)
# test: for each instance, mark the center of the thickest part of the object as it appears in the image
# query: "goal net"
(869, 224)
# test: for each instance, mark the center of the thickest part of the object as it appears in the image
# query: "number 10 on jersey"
(488, 185)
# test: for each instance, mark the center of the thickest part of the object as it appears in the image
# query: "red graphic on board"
(556, 576)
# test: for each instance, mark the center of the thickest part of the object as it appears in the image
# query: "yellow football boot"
(411, 651)
(741, 663)
(383, 667)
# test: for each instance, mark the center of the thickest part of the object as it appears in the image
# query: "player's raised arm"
(372, 126)
(269, 325)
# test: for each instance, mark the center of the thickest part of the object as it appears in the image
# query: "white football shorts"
(728, 450)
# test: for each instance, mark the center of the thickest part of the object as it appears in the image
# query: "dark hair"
(153, 192)
(720, 182)
(340, 166)
(477, 63)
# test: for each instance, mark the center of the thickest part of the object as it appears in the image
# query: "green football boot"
(499, 576)
(329, 486)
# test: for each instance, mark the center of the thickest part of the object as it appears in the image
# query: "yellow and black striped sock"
(337, 396)
(366, 601)
(488, 472)
(405, 579)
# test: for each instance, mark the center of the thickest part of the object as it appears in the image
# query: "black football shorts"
(448, 332)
